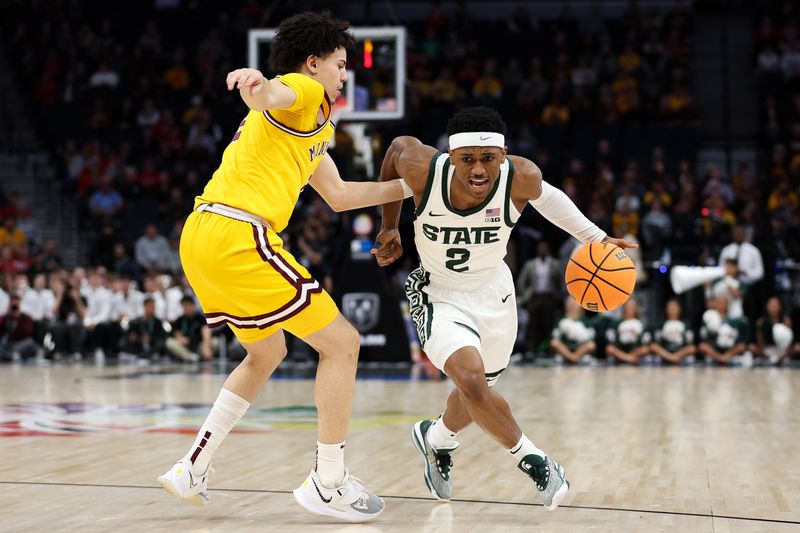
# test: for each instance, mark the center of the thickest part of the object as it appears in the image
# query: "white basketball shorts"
(449, 319)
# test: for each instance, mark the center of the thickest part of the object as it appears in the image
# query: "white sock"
(525, 447)
(227, 410)
(330, 464)
(439, 435)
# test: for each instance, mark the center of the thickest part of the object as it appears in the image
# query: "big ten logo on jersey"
(492, 215)
(317, 150)
(476, 235)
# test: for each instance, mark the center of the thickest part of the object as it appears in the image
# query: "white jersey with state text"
(463, 249)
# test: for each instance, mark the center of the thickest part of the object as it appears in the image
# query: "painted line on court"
(428, 499)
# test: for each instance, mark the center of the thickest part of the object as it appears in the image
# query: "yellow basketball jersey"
(273, 154)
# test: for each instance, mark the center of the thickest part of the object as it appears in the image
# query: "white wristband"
(408, 192)
(556, 207)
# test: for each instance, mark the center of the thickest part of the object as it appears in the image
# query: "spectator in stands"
(104, 77)
(674, 339)
(106, 202)
(152, 250)
(173, 294)
(18, 208)
(656, 227)
(718, 219)
(153, 290)
(538, 286)
(10, 234)
(782, 191)
(716, 183)
(99, 301)
(573, 337)
(203, 136)
(190, 338)
(69, 308)
(123, 264)
(625, 218)
(38, 302)
(749, 270)
(146, 336)
(774, 337)
(50, 260)
(127, 302)
(148, 115)
(723, 338)
(16, 333)
(10, 260)
(628, 340)
(488, 89)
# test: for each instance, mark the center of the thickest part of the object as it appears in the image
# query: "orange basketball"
(600, 276)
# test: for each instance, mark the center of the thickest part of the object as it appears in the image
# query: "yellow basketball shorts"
(244, 278)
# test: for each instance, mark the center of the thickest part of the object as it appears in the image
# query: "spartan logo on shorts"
(362, 309)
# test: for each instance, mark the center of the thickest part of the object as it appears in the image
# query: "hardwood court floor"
(646, 449)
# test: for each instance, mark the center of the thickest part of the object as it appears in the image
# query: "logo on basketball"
(600, 276)
(362, 309)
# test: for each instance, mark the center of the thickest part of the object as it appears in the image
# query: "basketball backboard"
(375, 89)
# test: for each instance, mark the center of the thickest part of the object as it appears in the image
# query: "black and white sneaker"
(549, 478)
(438, 463)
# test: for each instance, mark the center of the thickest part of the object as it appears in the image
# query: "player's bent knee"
(473, 386)
(265, 360)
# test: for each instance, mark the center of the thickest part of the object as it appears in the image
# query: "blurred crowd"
(70, 315)
(134, 104)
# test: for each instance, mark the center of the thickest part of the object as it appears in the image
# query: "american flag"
(492, 213)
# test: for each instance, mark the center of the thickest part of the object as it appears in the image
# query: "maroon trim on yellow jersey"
(326, 106)
(275, 122)
(239, 130)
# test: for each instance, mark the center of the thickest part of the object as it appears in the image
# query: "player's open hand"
(622, 243)
(388, 248)
(246, 77)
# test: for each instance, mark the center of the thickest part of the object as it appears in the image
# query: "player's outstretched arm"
(407, 158)
(345, 195)
(555, 206)
(258, 92)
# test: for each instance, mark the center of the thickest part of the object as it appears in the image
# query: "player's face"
(331, 72)
(477, 168)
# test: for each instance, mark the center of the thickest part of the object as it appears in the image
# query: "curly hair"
(306, 34)
(476, 119)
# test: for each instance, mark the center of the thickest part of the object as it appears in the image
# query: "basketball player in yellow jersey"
(235, 260)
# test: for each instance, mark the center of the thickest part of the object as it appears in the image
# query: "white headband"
(477, 138)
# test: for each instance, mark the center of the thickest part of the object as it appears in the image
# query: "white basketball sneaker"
(181, 483)
(351, 502)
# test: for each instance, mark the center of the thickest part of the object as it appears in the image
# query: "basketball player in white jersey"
(462, 295)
